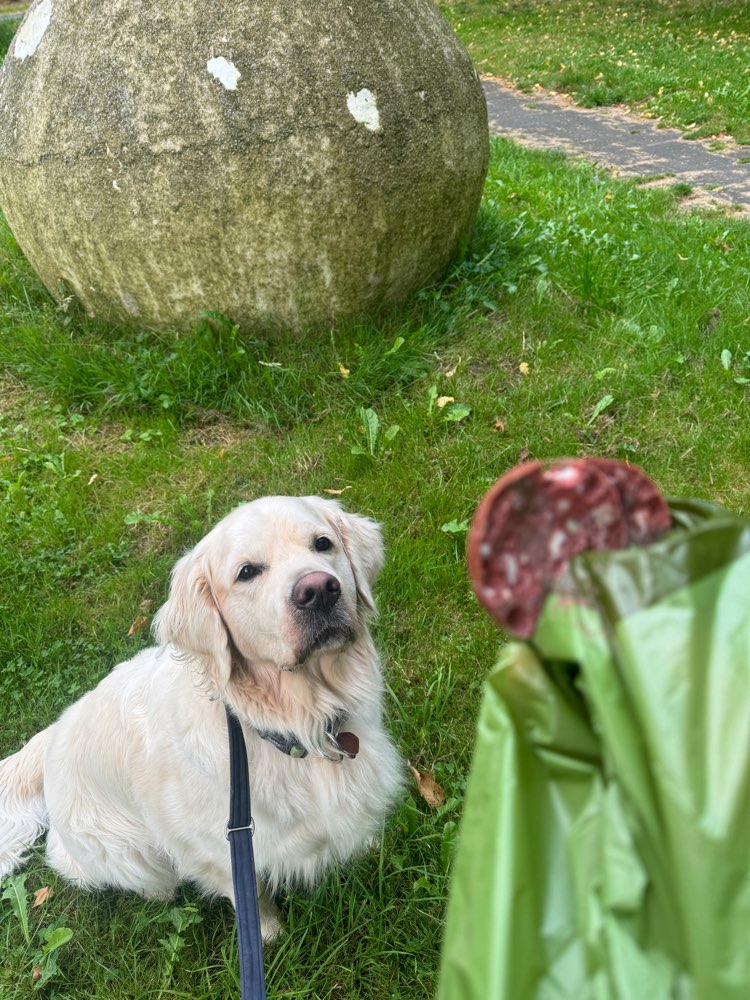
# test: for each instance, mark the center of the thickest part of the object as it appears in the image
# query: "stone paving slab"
(622, 141)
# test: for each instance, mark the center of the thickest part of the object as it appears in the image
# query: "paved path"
(622, 141)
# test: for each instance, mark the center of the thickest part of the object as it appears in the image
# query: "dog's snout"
(316, 592)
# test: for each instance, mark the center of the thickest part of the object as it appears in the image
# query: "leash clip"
(237, 829)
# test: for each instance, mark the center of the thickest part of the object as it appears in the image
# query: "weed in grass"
(375, 442)
(682, 190)
(178, 920)
(452, 412)
(41, 947)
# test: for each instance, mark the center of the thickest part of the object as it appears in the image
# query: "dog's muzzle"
(322, 619)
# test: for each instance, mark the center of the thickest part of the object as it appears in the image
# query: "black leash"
(240, 837)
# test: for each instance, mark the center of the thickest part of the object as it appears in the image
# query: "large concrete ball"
(284, 162)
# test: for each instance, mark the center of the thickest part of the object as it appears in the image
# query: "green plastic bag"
(605, 843)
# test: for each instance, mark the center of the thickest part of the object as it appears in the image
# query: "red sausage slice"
(536, 518)
(645, 509)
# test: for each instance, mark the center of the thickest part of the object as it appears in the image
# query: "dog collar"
(337, 744)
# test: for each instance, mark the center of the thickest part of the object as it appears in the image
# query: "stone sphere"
(285, 163)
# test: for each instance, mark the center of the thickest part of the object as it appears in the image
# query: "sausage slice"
(537, 517)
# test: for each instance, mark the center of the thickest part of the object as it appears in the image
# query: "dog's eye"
(248, 571)
(323, 544)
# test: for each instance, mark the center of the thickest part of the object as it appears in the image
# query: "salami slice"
(536, 518)
(646, 512)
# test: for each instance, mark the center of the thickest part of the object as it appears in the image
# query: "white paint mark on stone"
(422, 94)
(116, 186)
(167, 146)
(32, 30)
(130, 304)
(225, 72)
(363, 108)
(325, 270)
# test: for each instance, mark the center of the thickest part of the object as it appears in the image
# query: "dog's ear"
(363, 544)
(191, 620)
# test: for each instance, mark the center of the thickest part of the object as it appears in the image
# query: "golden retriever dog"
(267, 615)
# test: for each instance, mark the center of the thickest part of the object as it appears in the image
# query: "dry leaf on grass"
(146, 604)
(138, 625)
(36, 973)
(337, 493)
(41, 896)
(429, 789)
(453, 370)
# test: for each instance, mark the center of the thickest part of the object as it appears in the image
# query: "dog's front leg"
(270, 917)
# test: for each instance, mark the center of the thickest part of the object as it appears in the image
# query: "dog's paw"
(164, 895)
(271, 928)
(270, 918)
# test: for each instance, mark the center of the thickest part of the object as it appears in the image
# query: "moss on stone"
(283, 163)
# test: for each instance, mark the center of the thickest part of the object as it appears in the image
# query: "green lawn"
(589, 316)
(685, 62)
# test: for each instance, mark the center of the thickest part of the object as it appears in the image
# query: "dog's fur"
(132, 780)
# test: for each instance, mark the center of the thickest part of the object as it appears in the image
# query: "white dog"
(268, 615)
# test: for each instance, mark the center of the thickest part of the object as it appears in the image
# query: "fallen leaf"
(337, 493)
(93, 479)
(146, 604)
(453, 370)
(444, 400)
(428, 788)
(500, 426)
(524, 368)
(138, 625)
(344, 371)
(523, 454)
(36, 973)
(41, 896)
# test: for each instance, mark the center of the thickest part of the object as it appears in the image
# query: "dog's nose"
(316, 592)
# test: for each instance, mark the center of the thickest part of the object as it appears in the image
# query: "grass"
(588, 316)
(684, 62)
